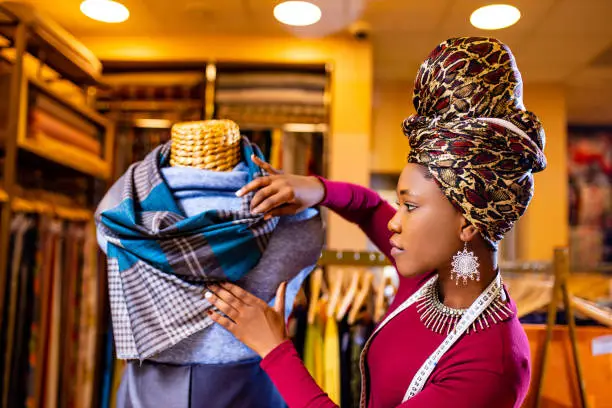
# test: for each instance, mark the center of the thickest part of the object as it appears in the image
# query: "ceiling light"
(107, 11)
(297, 13)
(495, 16)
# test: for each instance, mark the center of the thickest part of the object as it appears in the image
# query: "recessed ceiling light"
(495, 16)
(297, 13)
(107, 11)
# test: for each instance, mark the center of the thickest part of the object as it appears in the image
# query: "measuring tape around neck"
(469, 317)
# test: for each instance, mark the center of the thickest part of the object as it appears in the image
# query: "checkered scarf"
(159, 260)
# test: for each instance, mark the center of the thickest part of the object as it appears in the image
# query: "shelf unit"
(146, 97)
(29, 154)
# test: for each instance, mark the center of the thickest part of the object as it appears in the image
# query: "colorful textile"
(473, 133)
(160, 259)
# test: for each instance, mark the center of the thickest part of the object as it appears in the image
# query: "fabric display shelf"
(66, 133)
(55, 154)
(271, 97)
(53, 121)
(145, 99)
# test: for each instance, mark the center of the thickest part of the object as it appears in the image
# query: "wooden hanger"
(300, 298)
(379, 304)
(349, 296)
(335, 278)
(361, 296)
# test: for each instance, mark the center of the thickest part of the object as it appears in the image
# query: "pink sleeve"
(466, 389)
(361, 206)
(286, 370)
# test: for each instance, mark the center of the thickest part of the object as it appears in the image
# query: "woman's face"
(426, 228)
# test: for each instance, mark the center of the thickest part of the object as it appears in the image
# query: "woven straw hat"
(208, 144)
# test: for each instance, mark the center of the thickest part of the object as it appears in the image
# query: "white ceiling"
(555, 40)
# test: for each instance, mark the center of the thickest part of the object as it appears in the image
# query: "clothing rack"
(353, 258)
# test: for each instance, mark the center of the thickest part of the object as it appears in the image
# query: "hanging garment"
(22, 267)
(346, 345)
(35, 339)
(313, 352)
(43, 289)
(331, 347)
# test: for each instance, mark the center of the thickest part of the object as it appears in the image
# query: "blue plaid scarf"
(159, 260)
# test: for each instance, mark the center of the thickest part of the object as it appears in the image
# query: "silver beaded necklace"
(442, 319)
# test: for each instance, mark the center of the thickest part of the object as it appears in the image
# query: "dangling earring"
(465, 265)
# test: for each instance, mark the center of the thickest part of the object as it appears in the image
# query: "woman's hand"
(282, 194)
(250, 319)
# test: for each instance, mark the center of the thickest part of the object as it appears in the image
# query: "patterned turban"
(473, 133)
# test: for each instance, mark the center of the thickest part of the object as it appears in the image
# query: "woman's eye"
(410, 207)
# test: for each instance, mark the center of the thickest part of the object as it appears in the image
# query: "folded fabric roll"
(56, 129)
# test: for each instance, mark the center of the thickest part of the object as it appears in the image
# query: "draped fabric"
(160, 259)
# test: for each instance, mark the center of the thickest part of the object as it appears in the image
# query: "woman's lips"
(395, 249)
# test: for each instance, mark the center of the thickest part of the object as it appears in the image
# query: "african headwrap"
(473, 133)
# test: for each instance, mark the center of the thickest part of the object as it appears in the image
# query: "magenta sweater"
(489, 368)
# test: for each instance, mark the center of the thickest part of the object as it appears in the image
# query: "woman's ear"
(468, 231)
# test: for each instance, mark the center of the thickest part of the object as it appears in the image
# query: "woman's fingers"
(242, 295)
(225, 302)
(256, 184)
(222, 320)
(262, 195)
(265, 165)
(286, 209)
(279, 304)
(284, 196)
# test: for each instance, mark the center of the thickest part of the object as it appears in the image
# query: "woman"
(451, 337)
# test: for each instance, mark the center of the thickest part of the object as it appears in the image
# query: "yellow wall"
(545, 225)
(392, 103)
(351, 92)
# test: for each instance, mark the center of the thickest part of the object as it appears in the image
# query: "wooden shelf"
(84, 111)
(66, 155)
(62, 51)
(150, 105)
(41, 207)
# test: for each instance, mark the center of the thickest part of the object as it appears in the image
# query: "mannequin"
(203, 166)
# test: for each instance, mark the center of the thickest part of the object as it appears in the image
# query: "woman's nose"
(394, 224)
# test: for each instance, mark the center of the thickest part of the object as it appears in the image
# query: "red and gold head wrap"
(473, 133)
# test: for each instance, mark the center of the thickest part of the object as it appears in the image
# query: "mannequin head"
(209, 144)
